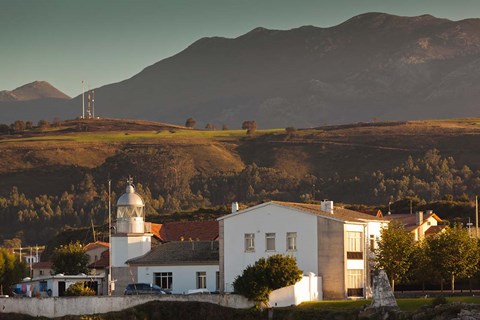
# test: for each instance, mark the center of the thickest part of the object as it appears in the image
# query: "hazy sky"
(101, 42)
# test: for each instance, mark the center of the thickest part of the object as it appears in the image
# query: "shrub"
(79, 289)
(258, 281)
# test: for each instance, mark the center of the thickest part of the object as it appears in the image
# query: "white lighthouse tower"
(132, 236)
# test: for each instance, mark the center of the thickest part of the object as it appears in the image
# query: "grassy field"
(409, 305)
(139, 136)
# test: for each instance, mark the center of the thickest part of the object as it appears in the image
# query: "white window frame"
(201, 279)
(249, 242)
(355, 279)
(270, 241)
(354, 241)
(291, 241)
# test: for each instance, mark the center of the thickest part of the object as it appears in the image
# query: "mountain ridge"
(374, 66)
(33, 91)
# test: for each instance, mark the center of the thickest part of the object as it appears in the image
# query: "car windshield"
(156, 287)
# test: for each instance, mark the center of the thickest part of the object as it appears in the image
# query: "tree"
(454, 254)
(290, 131)
(224, 127)
(12, 270)
(4, 128)
(70, 259)
(250, 126)
(258, 281)
(43, 124)
(56, 122)
(210, 126)
(190, 123)
(19, 125)
(394, 251)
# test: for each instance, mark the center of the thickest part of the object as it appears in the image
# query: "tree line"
(170, 183)
(447, 256)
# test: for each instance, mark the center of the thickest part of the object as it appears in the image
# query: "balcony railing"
(354, 255)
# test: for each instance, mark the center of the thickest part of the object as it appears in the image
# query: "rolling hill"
(48, 161)
(56, 177)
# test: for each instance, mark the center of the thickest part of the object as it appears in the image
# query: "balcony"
(354, 255)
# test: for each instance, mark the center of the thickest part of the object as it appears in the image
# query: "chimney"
(234, 207)
(326, 206)
(419, 217)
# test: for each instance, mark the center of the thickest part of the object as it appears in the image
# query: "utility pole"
(83, 100)
(109, 238)
(476, 217)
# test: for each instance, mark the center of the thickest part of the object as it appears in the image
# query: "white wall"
(60, 307)
(306, 289)
(268, 218)
(184, 277)
(129, 247)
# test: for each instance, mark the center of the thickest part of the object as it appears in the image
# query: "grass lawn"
(141, 136)
(404, 304)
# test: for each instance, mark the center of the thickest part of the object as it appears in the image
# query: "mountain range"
(374, 66)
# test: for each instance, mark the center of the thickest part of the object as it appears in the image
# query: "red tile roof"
(186, 230)
(434, 230)
(409, 221)
(103, 262)
(42, 265)
(155, 229)
(338, 212)
(96, 244)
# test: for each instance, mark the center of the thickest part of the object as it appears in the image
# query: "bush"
(79, 289)
(258, 281)
(439, 300)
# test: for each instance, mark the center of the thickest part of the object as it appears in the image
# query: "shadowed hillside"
(374, 66)
(56, 177)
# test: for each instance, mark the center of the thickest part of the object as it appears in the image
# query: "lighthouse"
(131, 238)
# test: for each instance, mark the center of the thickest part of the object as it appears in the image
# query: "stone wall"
(59, 307)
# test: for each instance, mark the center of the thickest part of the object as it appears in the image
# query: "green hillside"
(60, 173)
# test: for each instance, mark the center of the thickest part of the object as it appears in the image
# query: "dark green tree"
(454, 254)
(11, 269)
(190, 123)
(394, 251)
(258, 281)
(70, 259)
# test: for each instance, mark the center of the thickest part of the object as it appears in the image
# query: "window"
(40, 272)
(355, 283)
(354, 248)
(291, 241)
(270, 241)
(43, 286)
(163, 279)
(372, 242)
(201, 280)
(249, 242)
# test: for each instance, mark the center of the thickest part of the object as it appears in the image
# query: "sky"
(106, 41)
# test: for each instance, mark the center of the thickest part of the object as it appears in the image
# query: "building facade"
(330, 242)
(180, 266)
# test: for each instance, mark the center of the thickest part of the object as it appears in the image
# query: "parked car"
(143, 288)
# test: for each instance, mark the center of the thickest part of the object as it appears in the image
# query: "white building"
(419, 225)
(180, 266)
(132, 237)
(331, 242)
(56, 285)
